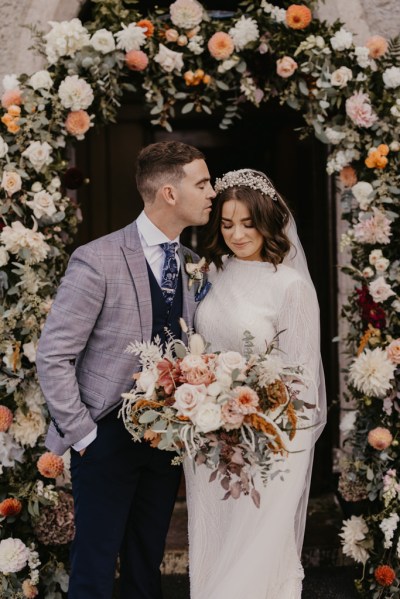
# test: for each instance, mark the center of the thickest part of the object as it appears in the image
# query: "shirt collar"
(151, 234)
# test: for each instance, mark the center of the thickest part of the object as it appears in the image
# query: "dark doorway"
(265, 139)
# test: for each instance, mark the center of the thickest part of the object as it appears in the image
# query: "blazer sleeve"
(72, 317)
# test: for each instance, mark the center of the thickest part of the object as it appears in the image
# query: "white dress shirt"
(150, 238)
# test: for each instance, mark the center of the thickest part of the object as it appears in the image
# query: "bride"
(237, 551)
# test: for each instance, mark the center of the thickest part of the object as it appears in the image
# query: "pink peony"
(232, 414)
(78, 123)
(136, 60)
(286, 66)
(393, 351)
(10, 97)
(359, 110)
(380, 438)
(221, 45)
(377, 46)
(6, 418)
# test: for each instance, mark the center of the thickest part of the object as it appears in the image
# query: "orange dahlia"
(348, 176)
(136, 60)
(298, 16)
(147, 26)
(50, 465)
(6, 418)
(377, 46)
(77, 122)
(384, 575)
(10, 507)
(221, 45)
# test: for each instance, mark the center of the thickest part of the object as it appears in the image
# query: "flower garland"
(182, 60)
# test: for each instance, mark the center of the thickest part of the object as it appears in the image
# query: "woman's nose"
(237, 233)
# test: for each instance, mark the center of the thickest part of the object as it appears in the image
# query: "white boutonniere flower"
(197, 272)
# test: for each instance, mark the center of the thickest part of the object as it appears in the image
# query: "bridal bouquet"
(234, 413)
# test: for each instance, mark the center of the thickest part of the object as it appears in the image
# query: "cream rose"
(207, 417)
(229, 361)
(42, 204)
(380, 290)
(41, 80)
(3, 147)
(382, 264)
(38, 154)
(286, 66)
(11, 182)
(188, 398)
(393, 351)
(168, 59)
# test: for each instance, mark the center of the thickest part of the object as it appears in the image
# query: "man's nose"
(212, 193)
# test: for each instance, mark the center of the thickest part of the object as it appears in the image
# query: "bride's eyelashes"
(223, 226)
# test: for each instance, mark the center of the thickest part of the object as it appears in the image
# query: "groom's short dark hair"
(161, 163)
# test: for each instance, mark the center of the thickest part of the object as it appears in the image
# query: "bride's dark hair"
(270, 217)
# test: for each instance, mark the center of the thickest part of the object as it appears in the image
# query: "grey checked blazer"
(103, 303)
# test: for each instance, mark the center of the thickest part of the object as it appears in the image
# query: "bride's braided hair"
(269, 214)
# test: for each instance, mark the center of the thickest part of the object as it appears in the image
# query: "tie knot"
(169, 247)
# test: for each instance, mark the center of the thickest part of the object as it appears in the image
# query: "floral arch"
(182, 60)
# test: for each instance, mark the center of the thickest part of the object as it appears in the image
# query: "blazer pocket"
(90, 397)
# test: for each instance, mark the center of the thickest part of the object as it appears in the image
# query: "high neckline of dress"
(251, 263)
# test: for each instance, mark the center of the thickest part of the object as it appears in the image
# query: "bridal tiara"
(246, 178)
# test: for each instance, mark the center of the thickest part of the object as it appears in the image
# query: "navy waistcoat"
(165, 316)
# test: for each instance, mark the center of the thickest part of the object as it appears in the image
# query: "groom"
(129, 285)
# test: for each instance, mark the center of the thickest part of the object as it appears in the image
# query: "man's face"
(194, 195)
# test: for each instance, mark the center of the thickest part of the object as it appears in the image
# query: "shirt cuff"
(86, 441)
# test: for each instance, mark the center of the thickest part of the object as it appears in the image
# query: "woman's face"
(239, 232)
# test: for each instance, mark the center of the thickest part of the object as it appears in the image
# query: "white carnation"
(65, 38)
(342, 40)
(244, 32)
(38, 154)
(388, 526)
(391, 77)
(14, 555)
(75, 93)
(4, 256)
(353, 533)
(130, 37)
(28, 243)
(28, 427)
(103, 41)
(334, 136)
(10, 82)
(42, 204)
(362, 57)
(372, 372)
(41, 80)
(168, 59)
(10, 451)
(269, 370)
(364, 194)
(186, 14)
(3, 147)
(380, 290)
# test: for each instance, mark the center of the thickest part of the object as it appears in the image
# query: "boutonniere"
(196, 272)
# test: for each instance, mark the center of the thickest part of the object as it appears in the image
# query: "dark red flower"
(370, 312)
(73, 178)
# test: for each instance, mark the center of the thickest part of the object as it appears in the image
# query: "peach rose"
(348, 176)
(78, 123)
(136, 60)
(11, 96)
(6, 418)
(377, 46)
(380, 438)
(196, 371)
(393, 351)
(298, 16)
(188, 397)
(221, 45)
(50, 465)
(171, 35)
(11, 182)
(286, 66)
(232, 414)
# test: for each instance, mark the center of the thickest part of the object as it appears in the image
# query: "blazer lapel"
(136, 262)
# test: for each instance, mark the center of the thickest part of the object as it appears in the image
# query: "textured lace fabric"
(237, 551)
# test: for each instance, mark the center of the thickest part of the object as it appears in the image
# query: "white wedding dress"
(237, 551)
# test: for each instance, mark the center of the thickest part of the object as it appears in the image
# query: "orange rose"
(298, 16)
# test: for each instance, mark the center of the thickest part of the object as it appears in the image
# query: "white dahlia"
(372, 372)
(244, 32)
(14, 555)
(353, 533)
(186, 14)
(75, 93)
(130, 37)
(28, 427)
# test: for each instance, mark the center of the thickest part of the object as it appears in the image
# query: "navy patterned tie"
(169, 277)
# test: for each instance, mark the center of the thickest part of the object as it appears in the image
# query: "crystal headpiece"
(246, 177)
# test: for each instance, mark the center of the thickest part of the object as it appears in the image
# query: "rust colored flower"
(147, 26)
(77, 122)
(298, 16)
(348, 176)
(29, 590)
(10, 507)
(221, 45)
(136, 60)
(277, 393)
(152, 437)
(11, 96)
(50, 465)
(6, 418)
(384, 575)
(377, 46)
(380, 438)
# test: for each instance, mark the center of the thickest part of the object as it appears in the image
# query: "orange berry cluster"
(10, 119)
(196, 77)
(377, 157)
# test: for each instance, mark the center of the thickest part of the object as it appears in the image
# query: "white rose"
(207, 417)
(188, 398)
(11, 182)
(41, 80)
(103, 41)
(364, 194)
(10, 82)
(4, 256)
(229, 361)
(342, 40)
(168, 59)
(14, 555)
(75, 93)
(380, 290)
(146, 382)
(382, 264)
(368, 272)
(374, 256)
(42, 204)
(38, 154)
(348, 421)
(391, 77)
(341, 77)
(29, 350)
(3, 147)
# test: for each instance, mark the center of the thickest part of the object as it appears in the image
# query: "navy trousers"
(124, 494)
